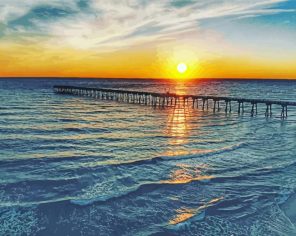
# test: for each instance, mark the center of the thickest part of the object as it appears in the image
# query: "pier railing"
(172, 99)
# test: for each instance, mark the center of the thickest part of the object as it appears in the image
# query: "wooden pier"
(172, 99)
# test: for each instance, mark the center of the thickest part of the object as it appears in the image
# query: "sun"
(182, 68)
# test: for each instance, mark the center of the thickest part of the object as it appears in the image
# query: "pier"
(172, 99)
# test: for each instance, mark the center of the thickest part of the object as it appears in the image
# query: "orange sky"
(26, 61)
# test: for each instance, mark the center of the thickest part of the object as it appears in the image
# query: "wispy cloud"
(113, 24)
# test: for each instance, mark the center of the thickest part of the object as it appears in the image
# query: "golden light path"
(184, 214)
(179, 126)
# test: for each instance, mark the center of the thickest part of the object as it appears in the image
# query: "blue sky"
(100, 21)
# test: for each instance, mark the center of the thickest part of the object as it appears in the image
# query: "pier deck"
(172, 99)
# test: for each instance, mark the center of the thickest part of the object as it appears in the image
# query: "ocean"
(79, 166)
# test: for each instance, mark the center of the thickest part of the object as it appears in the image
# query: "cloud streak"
(114, 24)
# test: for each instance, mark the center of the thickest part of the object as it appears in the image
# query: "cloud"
(13, 9)
(114, 24)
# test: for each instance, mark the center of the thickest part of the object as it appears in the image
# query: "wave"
(103, 161)
(63, 200)
(193, 154)
(76, 130)
(270, 221)
(62, 131)
(66, 120)
(81, 201)
(140, 189)
(36, 161)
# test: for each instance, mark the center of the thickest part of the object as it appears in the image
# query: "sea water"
(79, 166)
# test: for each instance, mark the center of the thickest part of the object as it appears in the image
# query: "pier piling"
(171, 99)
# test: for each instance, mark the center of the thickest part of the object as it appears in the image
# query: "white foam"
(14, 221)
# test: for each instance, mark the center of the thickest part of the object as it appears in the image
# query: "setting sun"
(182, 68)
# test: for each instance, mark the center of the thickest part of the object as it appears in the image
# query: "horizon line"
(135, 78)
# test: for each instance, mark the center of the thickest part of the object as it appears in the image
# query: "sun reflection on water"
(184, 214)
(188, 173)
(178, 130)
(181, 88)
(178, 125)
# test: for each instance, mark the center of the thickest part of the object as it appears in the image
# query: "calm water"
(79, 166)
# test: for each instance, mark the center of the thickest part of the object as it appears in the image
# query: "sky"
(148, 38)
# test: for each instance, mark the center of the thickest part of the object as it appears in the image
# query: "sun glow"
(180, 62)
(182, 68)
